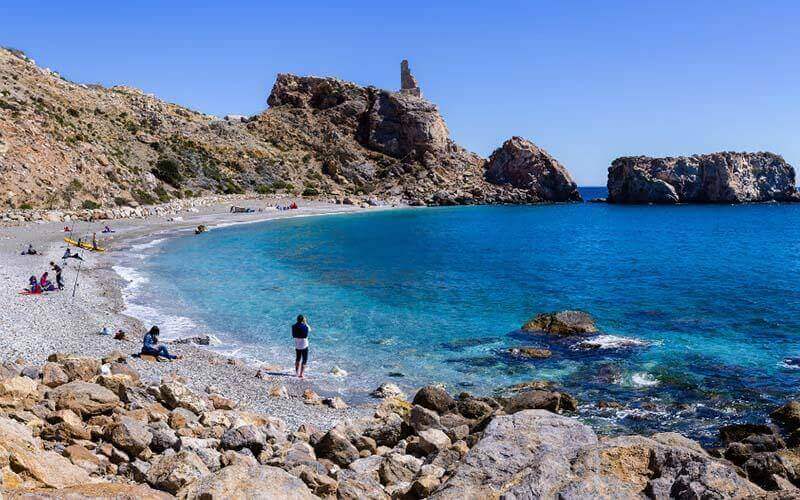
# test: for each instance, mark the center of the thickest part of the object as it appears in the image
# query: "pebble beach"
(33, 327)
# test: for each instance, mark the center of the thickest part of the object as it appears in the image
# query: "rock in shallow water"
(562, 323)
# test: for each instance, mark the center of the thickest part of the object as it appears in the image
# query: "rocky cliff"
(712, 178)
(69, 145)
(522, 164)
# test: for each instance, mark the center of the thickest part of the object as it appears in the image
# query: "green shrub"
(72, 112)
(26, 206)
(90, 204)
(168, 170)
(163, 195)
(188, 193)
(230, 187)
(143, 197)
(281, 184)
(264, 189)
(121, 201)
(310, 191)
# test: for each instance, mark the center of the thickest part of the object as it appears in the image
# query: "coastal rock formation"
(521, 164)
(71, 146)
(712, 178)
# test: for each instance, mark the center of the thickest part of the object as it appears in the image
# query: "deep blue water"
(438, 294)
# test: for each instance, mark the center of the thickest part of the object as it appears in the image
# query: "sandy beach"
(33, 327)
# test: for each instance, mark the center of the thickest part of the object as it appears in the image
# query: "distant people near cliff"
(710, 178)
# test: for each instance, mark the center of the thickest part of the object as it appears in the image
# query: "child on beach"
(300, 334)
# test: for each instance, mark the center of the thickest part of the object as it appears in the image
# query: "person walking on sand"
(300, 334)
(59, 279)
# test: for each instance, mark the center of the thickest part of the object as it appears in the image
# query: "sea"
(698, 306)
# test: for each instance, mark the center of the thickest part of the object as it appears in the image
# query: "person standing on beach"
(59, 278)
(300, 334)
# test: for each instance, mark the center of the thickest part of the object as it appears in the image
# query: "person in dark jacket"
(151, 346)
(300, 335)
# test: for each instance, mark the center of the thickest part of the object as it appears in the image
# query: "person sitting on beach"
(107, 230)
(120, 335)
(70, 255)
(67, 229)
(151, 346)
(45, 283)
(30, 250)
(300, 334)
(293, 205)
(33, 285)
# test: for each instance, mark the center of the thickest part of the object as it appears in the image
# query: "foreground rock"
(155, 440)
(522, 164)
(712, 178)
(537, 454)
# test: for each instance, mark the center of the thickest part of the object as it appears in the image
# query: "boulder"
(435, 398)
(540, 400)
(81, 368)
(18, 387)
(388, 390)
(131, 436)
(725, 177)
(84, 398)
(176, 395)
(354, 486)
(173, 472)
(787, 416)
(530, 352)
(245, 436)
(422, 418)
(238, 481)
(117, 491)
(163, 439)
(336, 447)
(320, 485)
(562, 323)
(53, 375)
(537, 454)
(398, 468)
(432, 440)
(523, 165)
(367, 466)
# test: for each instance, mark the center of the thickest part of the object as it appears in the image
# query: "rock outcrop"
(522, 164)
(71, 146)
(712, 178)
(408, 84)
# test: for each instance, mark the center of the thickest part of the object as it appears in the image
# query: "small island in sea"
(476, 329)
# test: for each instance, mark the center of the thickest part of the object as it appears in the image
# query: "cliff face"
(713, 178)
(68, 145)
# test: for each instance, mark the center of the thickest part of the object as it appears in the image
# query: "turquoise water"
(438, 294)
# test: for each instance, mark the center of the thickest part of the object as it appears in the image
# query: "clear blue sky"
(588, 81)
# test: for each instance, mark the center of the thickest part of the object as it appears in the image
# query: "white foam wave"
(609, 342)
(145, 246)
(790, 364)
(643, 379)
(134, 278)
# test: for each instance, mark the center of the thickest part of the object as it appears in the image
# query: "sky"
(588, 81)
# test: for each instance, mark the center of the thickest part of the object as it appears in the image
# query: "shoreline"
(37, 326)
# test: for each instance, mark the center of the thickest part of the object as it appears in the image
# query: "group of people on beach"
(43, 284)
(292, 206)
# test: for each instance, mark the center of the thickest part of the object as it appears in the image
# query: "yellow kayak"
(85, 245)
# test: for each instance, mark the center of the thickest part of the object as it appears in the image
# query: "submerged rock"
(711, 178)
(562, 323)
(530, 352)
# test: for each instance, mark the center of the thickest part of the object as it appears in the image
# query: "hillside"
(69, 145)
